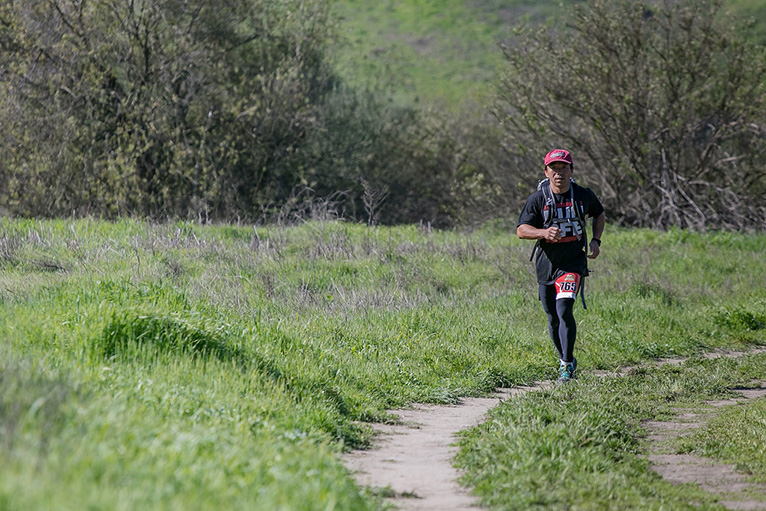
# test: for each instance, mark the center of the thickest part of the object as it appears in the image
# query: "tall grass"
(186, 366)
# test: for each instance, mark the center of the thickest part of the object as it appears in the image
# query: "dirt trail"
(414, 458)
(735, 490)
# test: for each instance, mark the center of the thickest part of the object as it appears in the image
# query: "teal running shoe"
(567, 372)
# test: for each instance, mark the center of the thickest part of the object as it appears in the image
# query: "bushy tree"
(222, 109)
(157, 107)
(662, 103)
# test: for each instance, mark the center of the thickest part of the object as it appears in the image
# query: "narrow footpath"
(412, 460)
(733, 488)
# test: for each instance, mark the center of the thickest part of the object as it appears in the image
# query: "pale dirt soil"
(734, 489)
(412, 460)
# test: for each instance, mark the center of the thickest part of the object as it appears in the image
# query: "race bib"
(566, 286)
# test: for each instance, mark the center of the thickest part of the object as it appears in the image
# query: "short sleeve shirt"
(569, 254)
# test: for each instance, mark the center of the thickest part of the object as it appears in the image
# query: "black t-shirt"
(569, 253)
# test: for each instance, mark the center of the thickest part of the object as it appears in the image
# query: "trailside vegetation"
(201, 109)
(127, 107)
(242, 110)
(175, 365)
(584, 445)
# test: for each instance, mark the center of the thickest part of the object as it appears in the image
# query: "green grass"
(179, 366)
(444, 52)
(580, 446)
(736, 436)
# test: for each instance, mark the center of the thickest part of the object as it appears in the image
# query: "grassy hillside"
(442, 51)
(445, 52)
(180, 366)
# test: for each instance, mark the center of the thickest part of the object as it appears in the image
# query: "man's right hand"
(528, 232)
(552, 234)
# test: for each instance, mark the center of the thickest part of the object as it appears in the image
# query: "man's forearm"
(598, 226)
(528, 232)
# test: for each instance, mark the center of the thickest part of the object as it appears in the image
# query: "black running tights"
(561, 322)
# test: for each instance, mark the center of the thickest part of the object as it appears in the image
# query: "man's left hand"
(594, 250)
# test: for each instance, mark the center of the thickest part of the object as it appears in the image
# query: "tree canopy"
(234, 109)
(663, 103)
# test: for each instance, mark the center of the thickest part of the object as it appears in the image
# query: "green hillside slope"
(445, 52)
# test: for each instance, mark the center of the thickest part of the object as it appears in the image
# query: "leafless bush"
(662, 104)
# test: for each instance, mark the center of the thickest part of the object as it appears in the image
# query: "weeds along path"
(411, 461)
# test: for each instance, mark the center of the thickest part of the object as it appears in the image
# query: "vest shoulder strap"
(549, 208)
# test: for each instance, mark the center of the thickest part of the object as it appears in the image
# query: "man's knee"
(565, 308)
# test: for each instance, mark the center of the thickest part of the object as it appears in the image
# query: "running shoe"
(567, 371)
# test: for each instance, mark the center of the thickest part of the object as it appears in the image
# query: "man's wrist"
(597, 240)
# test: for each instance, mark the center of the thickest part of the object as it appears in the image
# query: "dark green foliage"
(160, 108)
(146, 336)
(739, 318)
(238, 110)
(175, 108)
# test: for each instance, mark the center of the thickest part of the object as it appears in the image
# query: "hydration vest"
(549, 215)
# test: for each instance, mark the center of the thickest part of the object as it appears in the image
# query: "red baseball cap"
(558, 155)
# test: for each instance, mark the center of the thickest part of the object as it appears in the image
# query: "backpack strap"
(549, 210)
(581, 219)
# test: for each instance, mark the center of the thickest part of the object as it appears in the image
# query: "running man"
(555, 216)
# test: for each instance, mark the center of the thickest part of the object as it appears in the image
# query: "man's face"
(559, 173)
